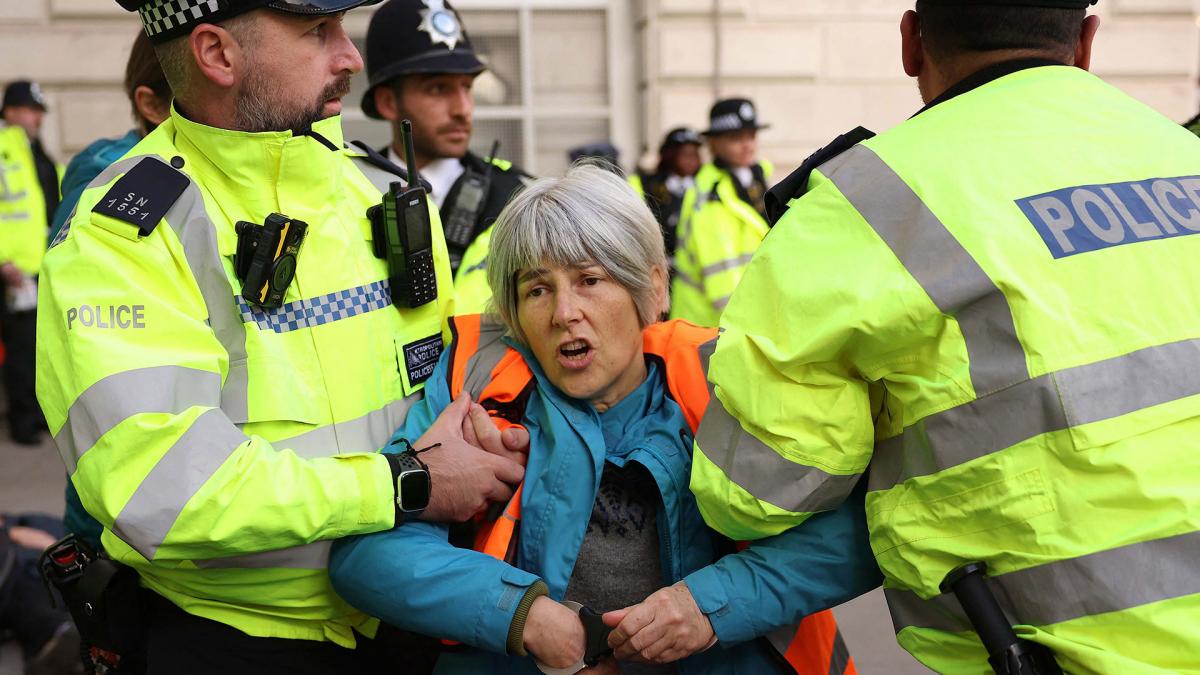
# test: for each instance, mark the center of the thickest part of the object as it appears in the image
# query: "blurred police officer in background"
(24, 106)
(219, 377)
(421, 67)
(722, 220)
(995, 307)
(28, 196)
(664, 187)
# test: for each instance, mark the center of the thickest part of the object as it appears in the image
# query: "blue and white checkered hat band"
(727, 122)
(163, 16)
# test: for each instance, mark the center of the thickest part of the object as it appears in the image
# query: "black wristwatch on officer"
(412, 481)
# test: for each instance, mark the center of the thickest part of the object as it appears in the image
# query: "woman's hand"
(465, 478)
(665, 627)
(554, 634)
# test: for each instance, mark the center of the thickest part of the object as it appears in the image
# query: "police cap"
(1059, 4)
(680, 136)
(168, 19)
(23, 93)
(407, 37)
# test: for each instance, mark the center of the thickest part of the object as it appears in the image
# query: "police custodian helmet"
(168, 19)
(415, 36)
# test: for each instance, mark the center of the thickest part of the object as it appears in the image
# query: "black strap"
(796, 184)
(596, 633)
(377, 160)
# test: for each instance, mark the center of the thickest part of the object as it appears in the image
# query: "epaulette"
(796, 184)
(144, 194)
(376, 159)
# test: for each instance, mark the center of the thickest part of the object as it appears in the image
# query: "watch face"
(414, 490)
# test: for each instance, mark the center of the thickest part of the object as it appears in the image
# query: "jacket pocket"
(922, 530)
(265, 390)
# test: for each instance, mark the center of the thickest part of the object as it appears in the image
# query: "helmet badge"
(441, 23)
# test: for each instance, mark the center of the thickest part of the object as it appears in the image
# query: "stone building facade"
(566, 72)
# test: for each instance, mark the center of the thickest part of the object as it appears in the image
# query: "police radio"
(404, 236)
(460, 223)
(265, 259)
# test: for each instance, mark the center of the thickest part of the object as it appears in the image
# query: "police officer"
(665, 186)
(994, 307)
(421, 67)
(722, 219)
(218, 381)
(28, 193)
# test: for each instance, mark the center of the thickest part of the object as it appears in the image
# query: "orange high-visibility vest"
(498, 378)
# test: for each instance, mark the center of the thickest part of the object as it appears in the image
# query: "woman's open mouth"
(575, 355)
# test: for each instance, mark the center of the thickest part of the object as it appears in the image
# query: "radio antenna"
(410, 156)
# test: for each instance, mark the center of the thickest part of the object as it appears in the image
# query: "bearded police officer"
(422, 67)
(222, 352)
(994, 307)
(722, 220)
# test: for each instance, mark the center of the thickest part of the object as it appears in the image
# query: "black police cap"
(407, 37)
(23, 93)
(168, 19)
(732, 114)
(680, 136)
(1058, 4)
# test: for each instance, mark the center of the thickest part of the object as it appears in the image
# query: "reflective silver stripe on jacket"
(314, 556)
(382, 180)
(1053, 402)
(839, 658)
(116, 398)
(938, 262)
(1108, 581)
(486, 357)
(162, 495)
(368, 433)
(727, 264)
(767, 475)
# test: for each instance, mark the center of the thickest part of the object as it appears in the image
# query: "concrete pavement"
(32, 479)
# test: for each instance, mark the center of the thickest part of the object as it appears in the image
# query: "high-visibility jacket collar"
(265, 169)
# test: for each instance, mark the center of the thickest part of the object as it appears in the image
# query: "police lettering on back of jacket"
(422, 67)
(227, 341)
(990, 313)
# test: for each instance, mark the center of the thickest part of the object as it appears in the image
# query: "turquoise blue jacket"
(413, 578)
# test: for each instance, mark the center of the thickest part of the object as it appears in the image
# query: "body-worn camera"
(404, 238)
(265, 259)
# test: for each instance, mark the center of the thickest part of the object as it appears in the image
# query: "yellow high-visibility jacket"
(222, 445)
(717, 236)
(995, 308)
(22, 205)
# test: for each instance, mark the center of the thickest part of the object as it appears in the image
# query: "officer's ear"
(218, 56)
(386, 103)
(1083, 50)
(912, 48)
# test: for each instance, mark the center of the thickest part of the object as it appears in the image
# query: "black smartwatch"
(413, 485)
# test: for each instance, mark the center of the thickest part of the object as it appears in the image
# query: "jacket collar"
(986, 75)
(267, 170)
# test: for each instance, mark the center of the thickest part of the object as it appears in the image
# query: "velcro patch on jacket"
(143, 195)
(420, 357)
